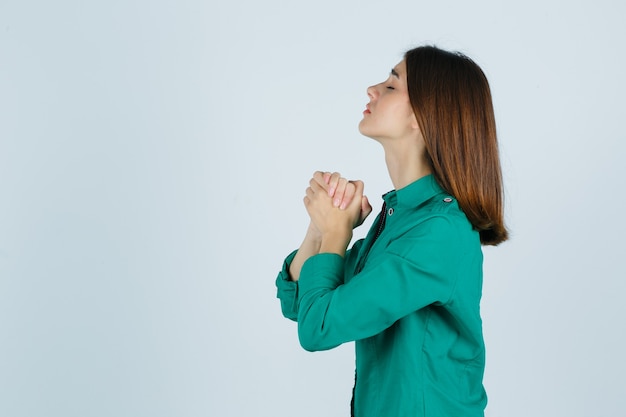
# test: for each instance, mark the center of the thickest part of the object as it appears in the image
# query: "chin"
(363, 129)
(365, 132)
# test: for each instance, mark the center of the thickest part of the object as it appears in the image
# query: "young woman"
(409, 293)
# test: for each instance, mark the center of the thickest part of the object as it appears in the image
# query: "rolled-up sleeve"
(287, 290)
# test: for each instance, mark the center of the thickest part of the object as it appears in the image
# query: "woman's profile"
(408, 294)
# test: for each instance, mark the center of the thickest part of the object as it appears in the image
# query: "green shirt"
(411, 304)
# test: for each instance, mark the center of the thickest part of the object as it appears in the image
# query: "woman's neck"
(405, 164)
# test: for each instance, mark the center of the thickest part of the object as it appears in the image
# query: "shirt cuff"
(287, 290)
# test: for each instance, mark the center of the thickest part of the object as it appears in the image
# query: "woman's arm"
(310, 246)
(410, 272)
(287, 281)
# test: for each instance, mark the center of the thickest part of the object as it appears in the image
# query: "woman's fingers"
(322, 179)
(338, 188)
(340, 192)
(314, 192)
(348, 196)
(366, 207)
(315, 186)
(333, 182)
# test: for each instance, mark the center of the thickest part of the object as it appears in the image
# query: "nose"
(371, 91)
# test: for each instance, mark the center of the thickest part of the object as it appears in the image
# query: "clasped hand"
(335, 204)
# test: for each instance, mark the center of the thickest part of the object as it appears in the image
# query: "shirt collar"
(413, 194)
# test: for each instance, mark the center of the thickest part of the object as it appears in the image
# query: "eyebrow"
(395, 73)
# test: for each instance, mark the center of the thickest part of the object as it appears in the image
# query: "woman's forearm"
(310, 246)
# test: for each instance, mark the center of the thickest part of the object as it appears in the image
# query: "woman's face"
(389, 114)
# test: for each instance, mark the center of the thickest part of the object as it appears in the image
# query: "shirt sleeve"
(413, 271)
(287, 290)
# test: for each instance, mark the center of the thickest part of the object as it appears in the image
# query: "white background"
(153, 158)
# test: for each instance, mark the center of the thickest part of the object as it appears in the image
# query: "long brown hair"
(451, 100)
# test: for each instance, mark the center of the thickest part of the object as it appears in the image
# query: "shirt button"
(390, 211)
(447, 200)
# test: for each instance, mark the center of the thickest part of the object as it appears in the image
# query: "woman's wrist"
(313, 233)
(336, 241)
